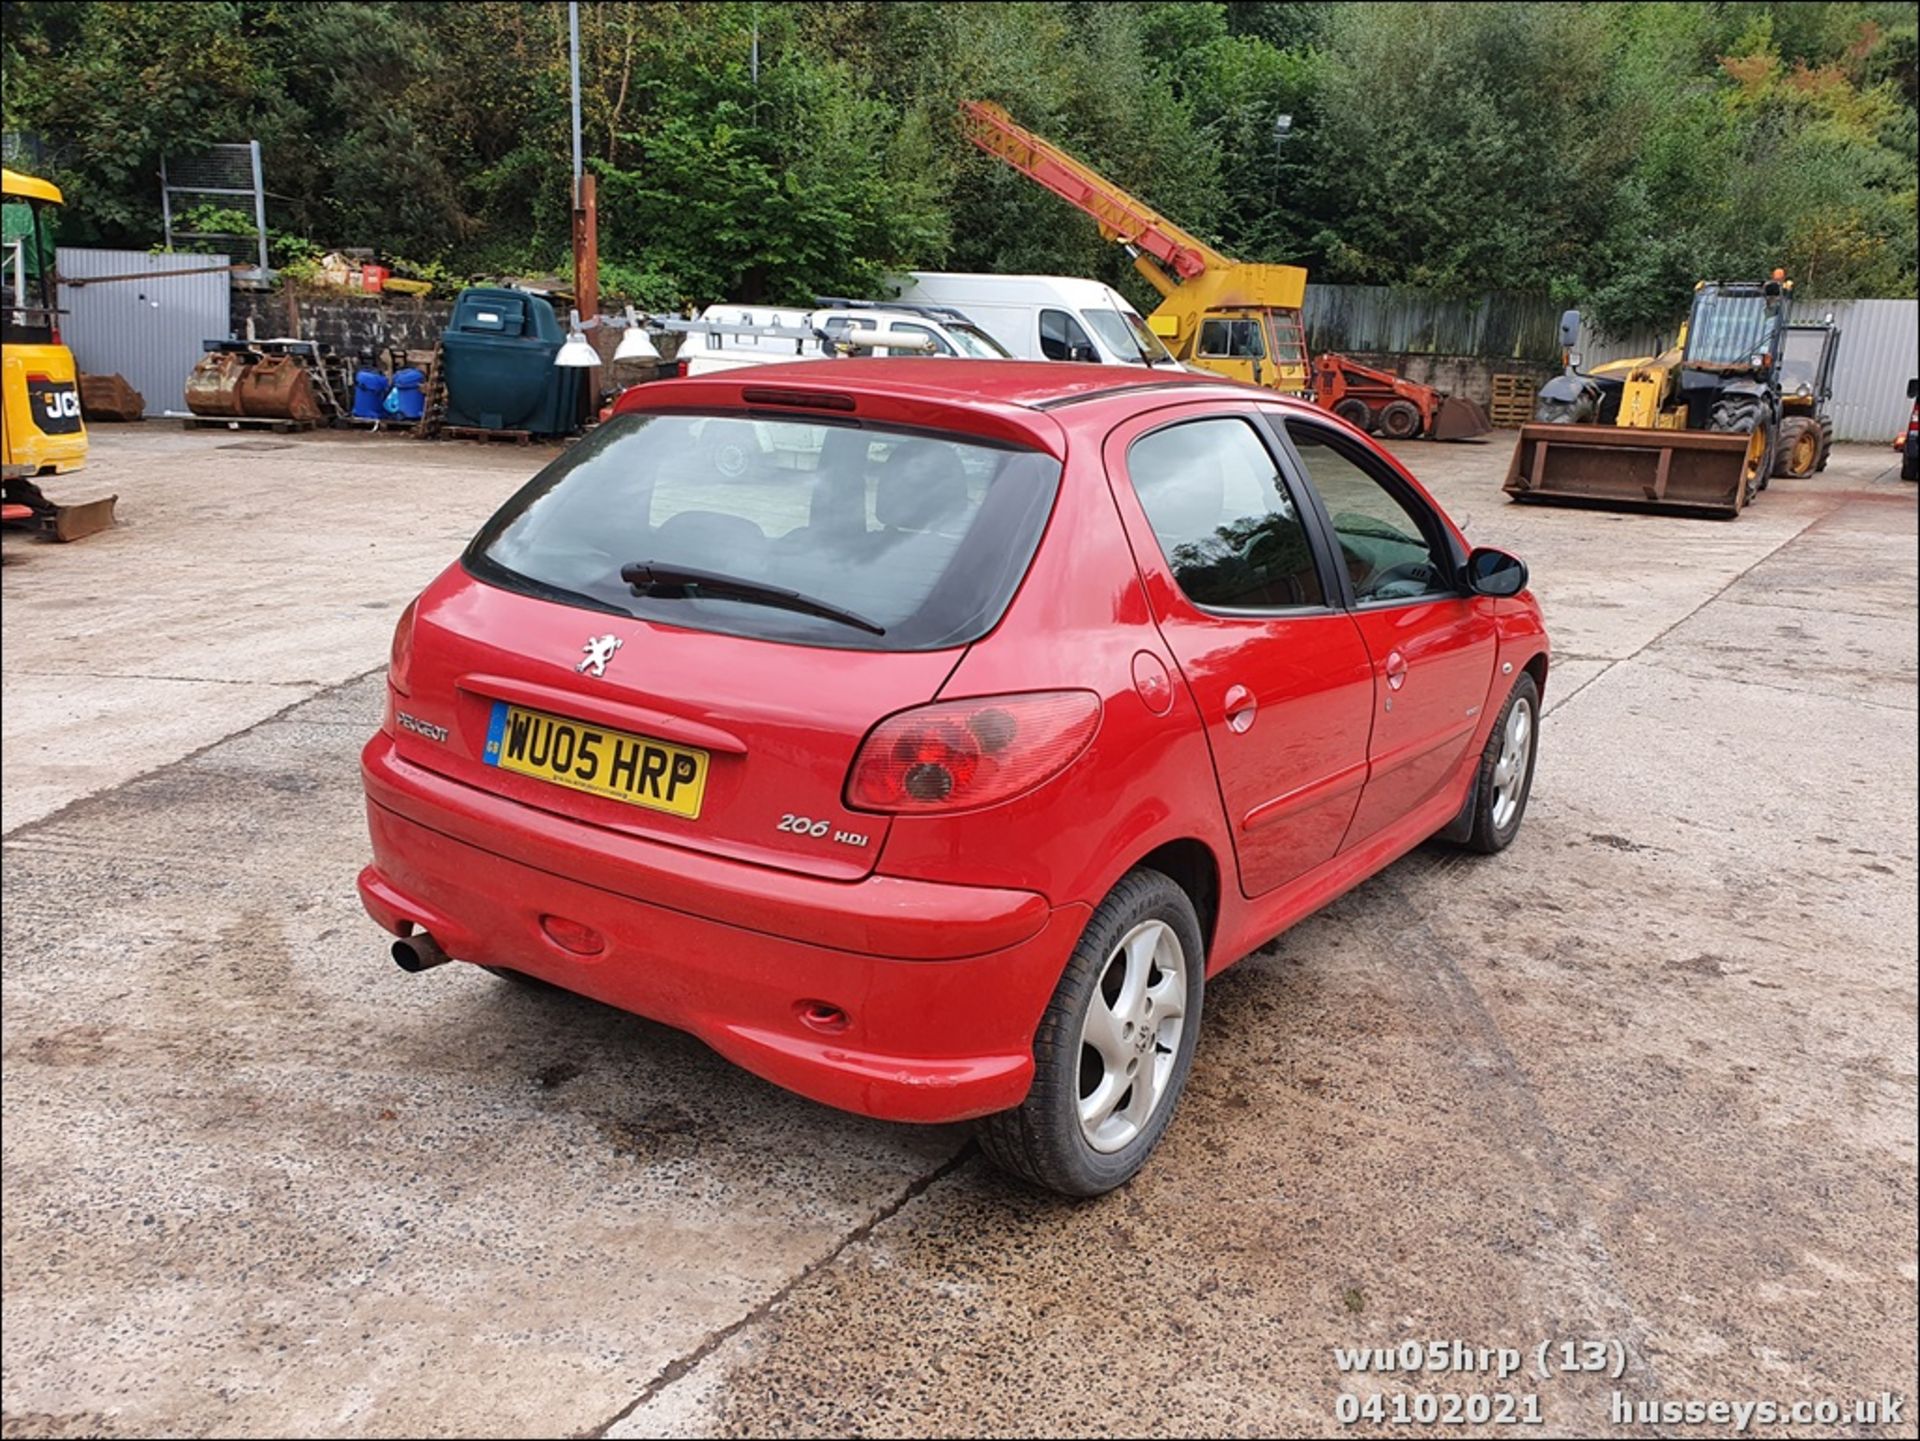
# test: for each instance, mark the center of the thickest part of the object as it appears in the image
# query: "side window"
(1225, 522)
(940, 347)
(1231, 339)
(1061, 337)
(1381, 543)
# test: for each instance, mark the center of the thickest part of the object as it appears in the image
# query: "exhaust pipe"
(417, 953)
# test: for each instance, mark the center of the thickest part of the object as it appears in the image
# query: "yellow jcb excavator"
(42, 432)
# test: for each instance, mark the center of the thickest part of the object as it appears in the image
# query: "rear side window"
(1230, 531)
(924, 537)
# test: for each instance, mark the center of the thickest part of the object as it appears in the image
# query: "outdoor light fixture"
(635, 343)
(577, 352)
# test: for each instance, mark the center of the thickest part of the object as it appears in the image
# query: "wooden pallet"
(473, 432)
(1512, 400)
(433, 410)
(235, 422)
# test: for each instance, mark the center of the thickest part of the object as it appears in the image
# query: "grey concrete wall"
(1468, 376)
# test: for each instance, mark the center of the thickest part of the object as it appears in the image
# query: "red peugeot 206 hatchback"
(922, 734)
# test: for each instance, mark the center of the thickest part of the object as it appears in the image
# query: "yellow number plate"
(622, 767)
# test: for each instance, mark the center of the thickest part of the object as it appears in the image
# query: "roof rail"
(931, 312)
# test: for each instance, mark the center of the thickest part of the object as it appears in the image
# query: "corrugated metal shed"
(146, 329)
(1879, 352)
(1381, 319)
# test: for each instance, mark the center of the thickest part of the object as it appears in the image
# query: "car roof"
(1031, 384)
(1025, 401)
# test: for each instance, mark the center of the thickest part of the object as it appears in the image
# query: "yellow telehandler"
(1699, 428)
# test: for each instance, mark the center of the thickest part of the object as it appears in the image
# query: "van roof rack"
(931, 312)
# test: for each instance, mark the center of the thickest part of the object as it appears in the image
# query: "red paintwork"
(943, 937)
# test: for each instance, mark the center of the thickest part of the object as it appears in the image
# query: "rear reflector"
(582, 940)
(963, 754)
(804, 399)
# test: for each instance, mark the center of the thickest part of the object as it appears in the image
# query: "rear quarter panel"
(1077, 623)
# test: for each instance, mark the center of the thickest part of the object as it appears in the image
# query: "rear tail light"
(964, 754)
(400, 657)
(680, 369)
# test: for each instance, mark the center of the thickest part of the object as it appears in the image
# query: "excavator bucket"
(26, 504)
(278, 387)
(1457, 418)
(213, 386)
(1694, 472)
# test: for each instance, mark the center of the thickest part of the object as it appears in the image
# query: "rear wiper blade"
(677, 582)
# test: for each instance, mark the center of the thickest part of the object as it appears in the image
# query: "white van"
(705, 352)
(1044, 317)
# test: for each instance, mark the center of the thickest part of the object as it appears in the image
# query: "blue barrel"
(407, 400)
(369, 394)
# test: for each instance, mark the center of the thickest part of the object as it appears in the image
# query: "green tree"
(1609, 155)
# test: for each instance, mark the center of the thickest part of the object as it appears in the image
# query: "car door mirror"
(1913, 389)
(1494, 572)
(1569, 329)
(1084, 353)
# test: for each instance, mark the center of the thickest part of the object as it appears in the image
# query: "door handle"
(1240, 708)
(1396, 669)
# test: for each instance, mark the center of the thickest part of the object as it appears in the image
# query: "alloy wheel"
(1510, 771)
(1130, 1038)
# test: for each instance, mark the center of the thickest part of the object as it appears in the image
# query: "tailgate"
(725, 744)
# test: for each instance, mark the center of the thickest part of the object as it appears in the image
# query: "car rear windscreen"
(836, 534)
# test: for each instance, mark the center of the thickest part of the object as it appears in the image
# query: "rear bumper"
(924, 1039)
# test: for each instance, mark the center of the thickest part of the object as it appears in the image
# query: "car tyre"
(1355, 412)
(1070, 1135)
(1505, 778)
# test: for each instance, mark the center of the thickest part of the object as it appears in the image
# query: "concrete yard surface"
(1646, 1079)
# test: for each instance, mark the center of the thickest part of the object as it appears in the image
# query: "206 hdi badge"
(599, 650)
